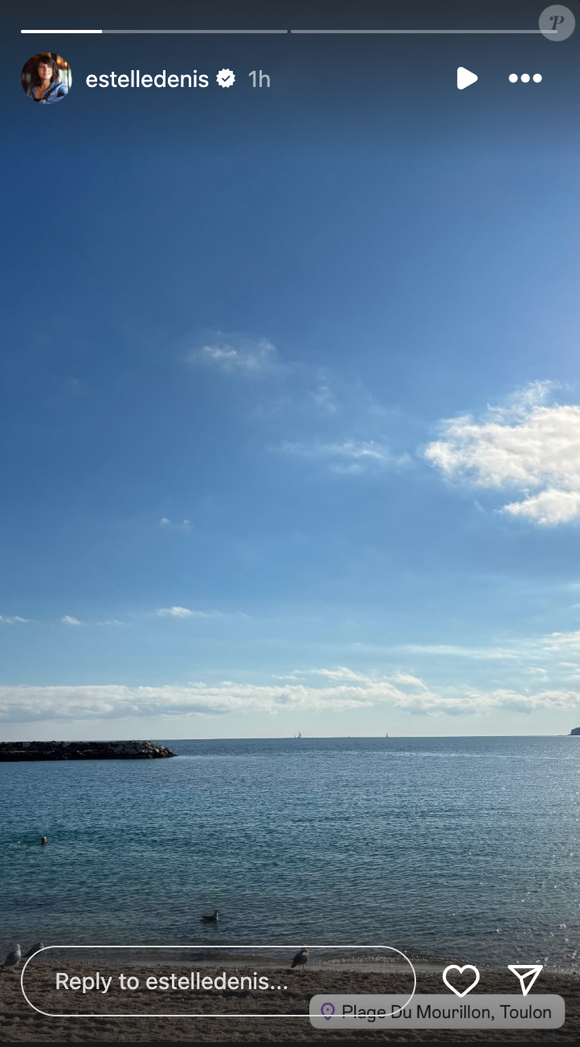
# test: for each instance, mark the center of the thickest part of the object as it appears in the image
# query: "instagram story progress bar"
(294, 32)
(556, 22)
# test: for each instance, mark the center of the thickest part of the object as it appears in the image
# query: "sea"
(465, 849)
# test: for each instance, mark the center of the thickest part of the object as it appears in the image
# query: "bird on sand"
(211, 919)
(301, 958)
(13, 958)
(33, 949)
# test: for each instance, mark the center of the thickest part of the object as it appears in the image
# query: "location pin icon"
(327, 1010)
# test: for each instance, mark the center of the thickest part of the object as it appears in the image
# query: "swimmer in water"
(44, 841)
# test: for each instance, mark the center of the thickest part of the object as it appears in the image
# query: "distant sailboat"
(298, 735)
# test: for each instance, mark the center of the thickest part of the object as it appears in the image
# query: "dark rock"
(575, 730)
(131, 750)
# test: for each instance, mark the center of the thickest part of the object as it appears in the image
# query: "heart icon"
(460, 970)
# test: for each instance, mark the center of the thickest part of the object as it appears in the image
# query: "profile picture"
(46, 78)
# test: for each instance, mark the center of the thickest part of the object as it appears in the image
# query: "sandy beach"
(19, 1022)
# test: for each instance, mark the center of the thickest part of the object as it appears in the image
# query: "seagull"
(33, 949)
(301, 958)
(211, 919)
(13, 958)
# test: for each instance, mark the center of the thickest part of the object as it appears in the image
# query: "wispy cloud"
(527, 445)
(13, 619)
(520, 650)
(180, 525)
(68, 619)
(448, 650)
(324, 399)
(235, 354)
(563, 641)
(349, 456)
(341, 690)
(341, 672)
(183, 612)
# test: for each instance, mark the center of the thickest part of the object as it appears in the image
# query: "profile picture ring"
(46, 78)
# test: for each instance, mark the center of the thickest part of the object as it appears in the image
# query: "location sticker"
(327, 1010)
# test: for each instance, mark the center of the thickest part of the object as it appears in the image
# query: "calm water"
(456, 847)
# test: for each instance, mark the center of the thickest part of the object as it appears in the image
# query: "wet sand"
(19, 1022)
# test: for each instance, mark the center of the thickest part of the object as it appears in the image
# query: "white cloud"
(528, 655)
(522, 651)
(563, 642)
(68, 619)
(236, 354)
(350, 456)
(181, 525)
(457, 651)
(527, 445)
(13, 619)
(549, 507)
(340, 673)
(342, 690)
(409, 680)
(183, 612)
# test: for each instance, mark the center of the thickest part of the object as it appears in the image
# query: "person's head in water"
(44, 840)
(46, 72)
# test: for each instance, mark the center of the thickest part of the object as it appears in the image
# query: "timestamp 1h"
(259, 79)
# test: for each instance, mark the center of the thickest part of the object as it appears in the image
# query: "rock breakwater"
(133, 750)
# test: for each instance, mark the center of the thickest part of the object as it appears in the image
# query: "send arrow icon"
(526, 973)
(465, 78)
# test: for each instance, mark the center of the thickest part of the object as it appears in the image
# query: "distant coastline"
(17, 752)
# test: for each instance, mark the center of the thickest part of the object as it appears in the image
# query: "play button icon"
(465, 78)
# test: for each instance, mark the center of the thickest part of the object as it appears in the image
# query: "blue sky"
(290, 401)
